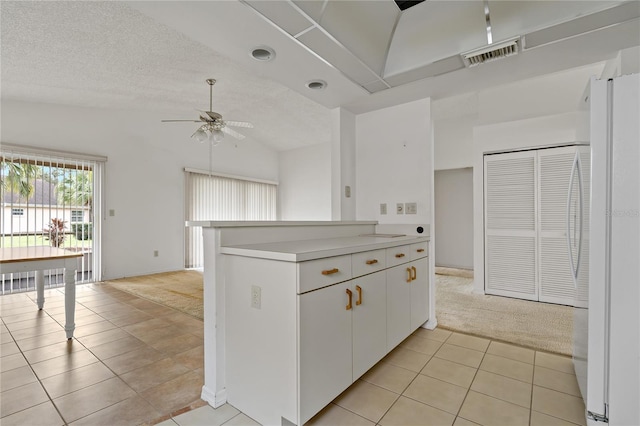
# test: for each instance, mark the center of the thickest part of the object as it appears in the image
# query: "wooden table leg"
(40, 289)
(70, 300)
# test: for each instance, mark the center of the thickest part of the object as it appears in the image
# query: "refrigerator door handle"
(569, 192)
(581, 199)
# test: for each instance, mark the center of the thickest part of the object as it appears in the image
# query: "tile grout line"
(34, 372)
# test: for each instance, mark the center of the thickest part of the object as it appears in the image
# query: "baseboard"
(430, 325)
(215, 400)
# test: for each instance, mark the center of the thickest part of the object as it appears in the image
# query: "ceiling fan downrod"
(211, 82)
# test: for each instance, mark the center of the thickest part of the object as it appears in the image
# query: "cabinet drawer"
(319, 273)
(419, 250)
(367, 262)
(398, 255)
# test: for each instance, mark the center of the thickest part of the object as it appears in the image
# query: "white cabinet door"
(398, 308)
(419, 293)
(369, 321)
(325, 348)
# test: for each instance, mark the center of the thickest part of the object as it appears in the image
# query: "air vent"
(491, 53)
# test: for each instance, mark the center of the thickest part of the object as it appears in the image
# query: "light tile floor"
(136, 362)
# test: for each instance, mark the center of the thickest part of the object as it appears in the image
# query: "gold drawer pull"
(372, 261)
(359, 290)
(415, 273)
(420, 250)
(400, 255)
(409, 276)
(330, 271)
(349, 293)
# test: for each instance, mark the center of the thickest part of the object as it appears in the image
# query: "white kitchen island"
(295, 312)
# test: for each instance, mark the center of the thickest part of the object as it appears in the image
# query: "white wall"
(144, 174)
(343, 164)
(394, 157)
(454, 217)
(453, 142)
(305, 183)
(508, 136)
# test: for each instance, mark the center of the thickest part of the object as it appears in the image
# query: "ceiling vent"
(492, 52)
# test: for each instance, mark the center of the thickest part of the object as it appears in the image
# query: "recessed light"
(263, 53)
(316, 84)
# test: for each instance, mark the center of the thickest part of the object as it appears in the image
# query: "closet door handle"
(330, 271)
(371, 262)
(415, 273)
(420, 250)
(359, 290)
(349, 293)
(409, 275)
(399, 255)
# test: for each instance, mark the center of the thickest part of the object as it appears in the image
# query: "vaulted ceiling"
(156, 54)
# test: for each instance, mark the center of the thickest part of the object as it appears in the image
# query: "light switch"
(383, 208)
(112, 212)
(411, 208)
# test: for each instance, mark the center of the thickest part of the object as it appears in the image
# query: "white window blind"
(215, 197)
(50, 198)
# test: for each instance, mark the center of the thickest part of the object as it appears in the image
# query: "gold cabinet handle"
(415, 273)
(371, 262)
(400, 255)
(409, 276)
(420, 250)
(330, 271)
(359, 290)
(349, 293)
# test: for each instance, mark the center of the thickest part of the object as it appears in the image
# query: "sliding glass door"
(50, 199)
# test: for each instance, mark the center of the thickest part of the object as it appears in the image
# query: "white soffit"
(339, 57)
(364, 27)
(313, 8)
(609, 17)
(435, 30)
(283, 14)
(517, 18)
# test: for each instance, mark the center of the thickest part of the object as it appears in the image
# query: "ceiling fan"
(214, 126)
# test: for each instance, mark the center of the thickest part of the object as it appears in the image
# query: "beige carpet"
(181, 290)
(536, 325)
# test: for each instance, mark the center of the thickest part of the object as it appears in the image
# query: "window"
(217, 197)
(77, 216)
(53, 197)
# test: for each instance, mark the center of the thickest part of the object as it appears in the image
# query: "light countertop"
(302, 250)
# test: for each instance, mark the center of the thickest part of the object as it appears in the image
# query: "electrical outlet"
(256, 296)
(383, 208)
(112, 212)
(411, 208)
(399, 208)
(155, 253)
(347, 191)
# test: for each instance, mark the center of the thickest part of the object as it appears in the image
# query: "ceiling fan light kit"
(214, 127)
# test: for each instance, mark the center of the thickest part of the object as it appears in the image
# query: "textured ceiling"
(108, 55)
(155, 55)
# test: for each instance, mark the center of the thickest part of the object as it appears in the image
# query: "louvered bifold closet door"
(510, 225)
(556, 283)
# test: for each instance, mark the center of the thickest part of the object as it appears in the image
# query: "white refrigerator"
(607, 332)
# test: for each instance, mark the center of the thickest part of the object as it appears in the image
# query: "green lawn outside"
(39, 240)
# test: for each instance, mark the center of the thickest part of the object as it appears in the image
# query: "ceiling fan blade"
(175, 121)
(233, 133)
(245, 124)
